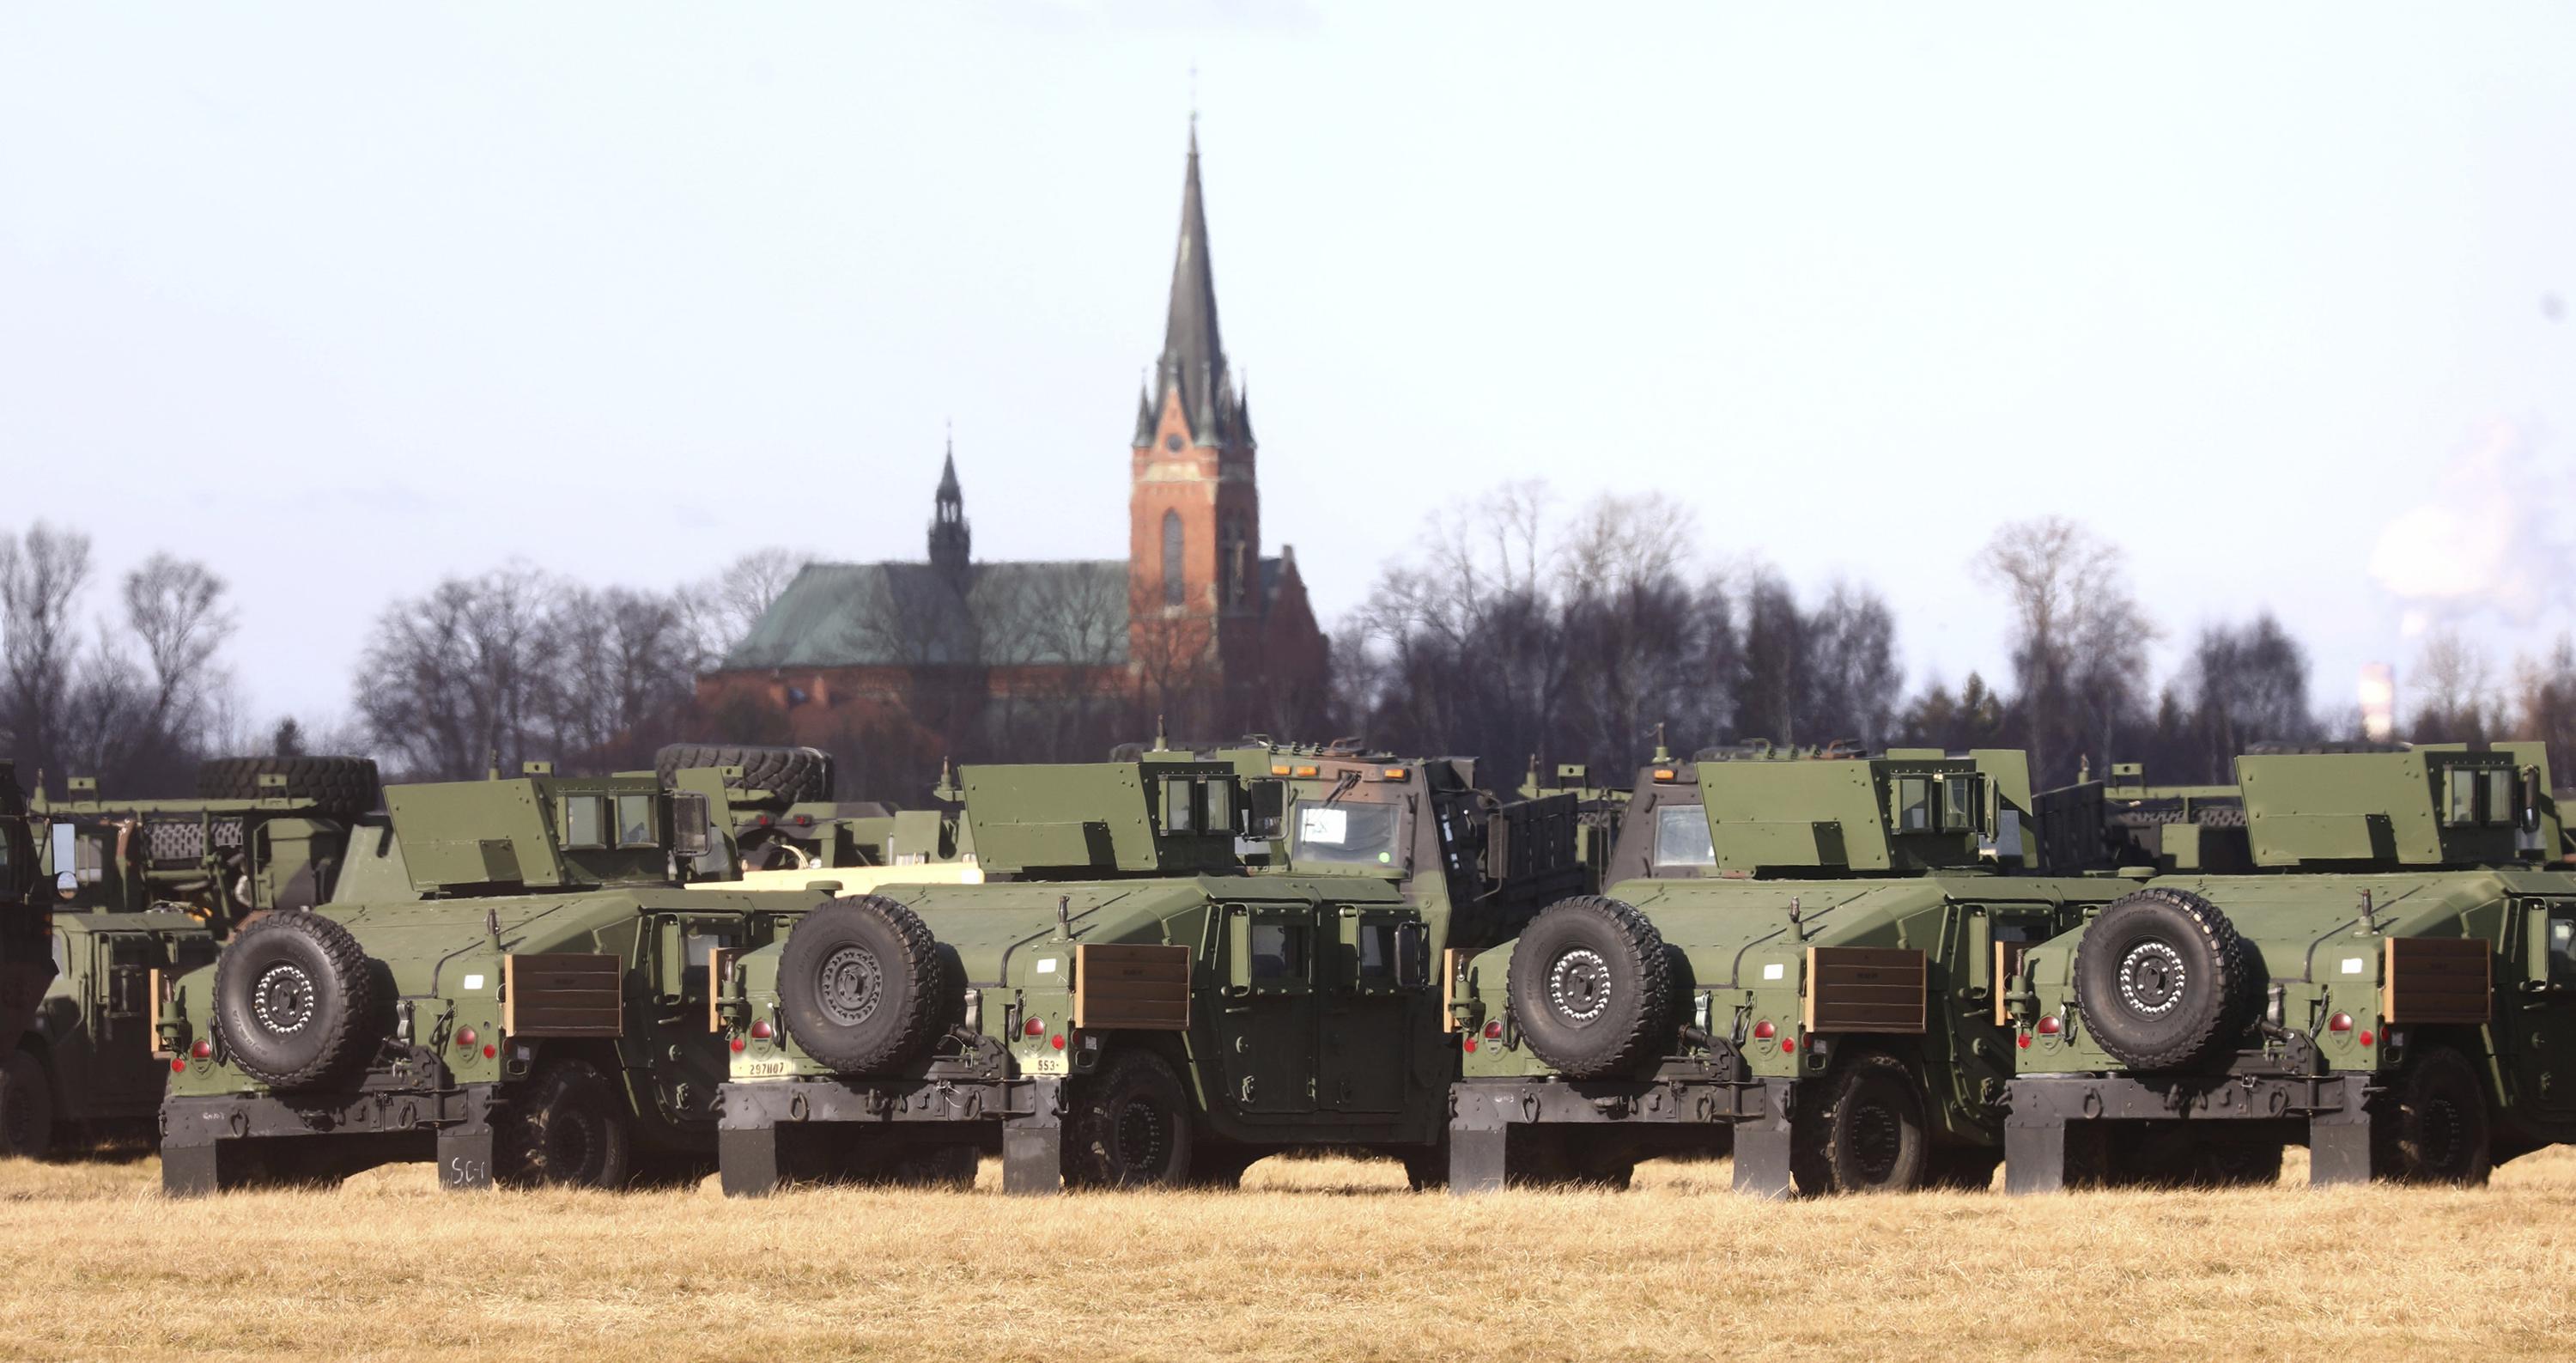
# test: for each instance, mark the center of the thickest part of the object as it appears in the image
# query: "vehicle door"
(2539, 1010)
(1371, 1001)
(687, 1054)
(1266, 1020)
(123, 1070)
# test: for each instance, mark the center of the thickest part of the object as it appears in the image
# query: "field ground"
(1319, 1259)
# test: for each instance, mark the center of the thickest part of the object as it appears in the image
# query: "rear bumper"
(205, 1140)
(1492, 1123)
(774, 1132)
(2334, 1109)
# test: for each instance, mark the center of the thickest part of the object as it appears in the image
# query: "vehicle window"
(1353, 833)
(583, 825)
(635, 821)
(64, 837)
(1278, 952)
(1913, 805)
(1681, 837)
(1377, 948)
(2460, 797)
(693, 952)
(2562, 946)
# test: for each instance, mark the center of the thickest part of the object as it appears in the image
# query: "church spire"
(951, 542)
(1193, 360)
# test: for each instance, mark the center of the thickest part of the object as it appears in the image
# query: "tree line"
(1517, 629)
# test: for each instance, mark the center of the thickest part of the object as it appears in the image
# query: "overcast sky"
(344, 299)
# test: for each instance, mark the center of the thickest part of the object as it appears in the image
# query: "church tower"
(950, 540)
(1194, 533)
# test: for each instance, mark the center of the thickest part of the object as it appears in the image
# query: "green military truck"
(263, 833)
(532, 1009)
(88, 1061)
(2391, 985)
(1175, 966)
(784, 817)
(26, 954)
(1794, 961)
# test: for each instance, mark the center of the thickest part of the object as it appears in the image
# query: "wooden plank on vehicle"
(2007, 964)
(1865, 989)
(1131, 986)
(1452, 961)
(2436, 980)
(719, 970)
(565, 994)
(152, 1015)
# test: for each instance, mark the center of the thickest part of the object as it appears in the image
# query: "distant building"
(1044, 659)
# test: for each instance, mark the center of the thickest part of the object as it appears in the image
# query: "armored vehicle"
(26, 947)
(264, 833)
(533, 1010)
(88, 1062)
(2106, 825)
(1175, 966)
(2390, 985)
(1795, 961)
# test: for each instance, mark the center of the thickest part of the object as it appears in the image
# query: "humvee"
(2388, 985)
(88, 1062)
(1175, 965)
(1793, 961)
(26, 950)
(263, 833)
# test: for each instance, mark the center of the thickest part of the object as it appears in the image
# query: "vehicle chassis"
(2336, 1108)
(1485, 1112)
(760, 1129)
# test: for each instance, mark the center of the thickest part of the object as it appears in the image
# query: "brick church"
(1000, 659)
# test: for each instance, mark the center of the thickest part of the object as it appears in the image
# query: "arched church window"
(1173, 591)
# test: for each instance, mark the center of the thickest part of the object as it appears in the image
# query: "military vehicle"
(88, 1062)
(2390, 985)
(1175, 966)
(26, 952)
(2105, 825)
(1794, 961)
(263, 833)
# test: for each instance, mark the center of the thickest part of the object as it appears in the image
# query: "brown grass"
(1327, 1259)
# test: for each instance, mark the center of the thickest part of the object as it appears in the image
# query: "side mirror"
(1412, 956)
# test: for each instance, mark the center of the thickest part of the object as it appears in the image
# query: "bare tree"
(2456, 683)
(41, 577)
(722, 610)
(1854, 684)
(2079, 640)
(2248, 684)
(454, 678)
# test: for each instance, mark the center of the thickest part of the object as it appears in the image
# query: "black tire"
(863, 987)
(1864, 1131)
(566, 1129)
(2164, 981)
(1590, 987)
(1220, 1164)
(796, 775)
(1129, 1127)
(296, 1002)
(26, 1107)
(1427, 1170)
(340, 787)
(2434, 1128)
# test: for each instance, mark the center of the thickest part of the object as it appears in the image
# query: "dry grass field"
(1319, 1260)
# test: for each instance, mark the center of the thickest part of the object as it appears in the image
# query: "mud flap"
(747, 1161)
(2339, 1146)
(1033, 1143)
(1478, 1160)
(2034, 1155)
(465, 1156)
(1762, 1143)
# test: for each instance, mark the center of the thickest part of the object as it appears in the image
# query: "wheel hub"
(1578, 986)
(851, 986)
(282, 999)
(1876, 1142)
(2152, 978)
(1141, 1136)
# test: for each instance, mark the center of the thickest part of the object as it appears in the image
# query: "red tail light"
(1056, 1041)
(1494, 1030)
(1468, 1045)
(760, 1031)
(203, 1050)
(1764, 1031)
(465, 1038)
(1034, 1027)
(2022, 1041)
(2048, 1025)
(1788, 1045)
(2366, 1038)
(737, 1045)
(178, 1065)
(2340, 1022)
(491, 1052)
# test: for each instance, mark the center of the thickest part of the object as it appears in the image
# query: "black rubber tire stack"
(796, 775)
(341, 787)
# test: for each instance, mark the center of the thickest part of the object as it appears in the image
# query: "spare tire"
(796, 775)
(296, 1003)
(1590, 986)
(342, 787)
(862, 985)
(2164, 981)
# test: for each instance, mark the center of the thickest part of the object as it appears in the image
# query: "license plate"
(1053, 1062)
(760, 1069)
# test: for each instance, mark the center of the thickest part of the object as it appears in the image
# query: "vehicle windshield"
(1681, 837)
(1358, 834)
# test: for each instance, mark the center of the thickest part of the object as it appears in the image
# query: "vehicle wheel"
(796, 775)
(1590, 987)
(1129, 1127)
(2164, 981)
(26, 1107)
(296, 1002)
(950, 1166)
(1215, 1165)
(1866, 1134)
(338, 787)
(2436, 1128)
(566, 1129)
(1427, 1170)
(1963, 1168)
(863, 986)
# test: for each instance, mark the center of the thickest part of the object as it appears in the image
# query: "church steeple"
(950, 539)
(1193, 359)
